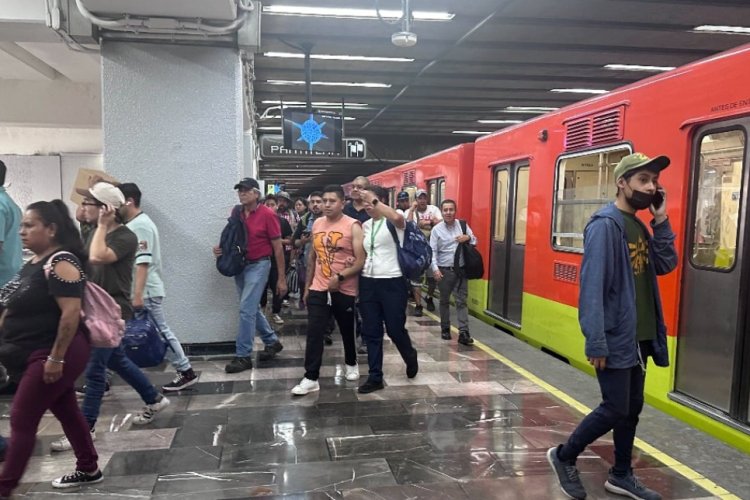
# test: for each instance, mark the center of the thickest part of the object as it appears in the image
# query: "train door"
(713, 346)
(510, 202)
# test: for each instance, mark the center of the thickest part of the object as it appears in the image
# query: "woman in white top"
(383, 290)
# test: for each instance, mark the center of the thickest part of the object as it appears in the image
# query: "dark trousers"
(383, 300)
(273, 278)
(33, 398)
(622, 402)
(318, 312)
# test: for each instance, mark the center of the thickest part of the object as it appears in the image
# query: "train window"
(717, 209)
(584, 185)
(432, 192)
(441, 191)
(392, 197)
(522, 202)
(501, 205)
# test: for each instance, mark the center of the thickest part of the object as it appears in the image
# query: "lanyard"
(373, 233)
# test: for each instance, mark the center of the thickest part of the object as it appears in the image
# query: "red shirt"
(262, 227)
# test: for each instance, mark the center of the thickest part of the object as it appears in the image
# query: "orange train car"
(444, 175)
(536, 184)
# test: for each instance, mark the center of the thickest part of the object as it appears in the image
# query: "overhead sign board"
(272, 147)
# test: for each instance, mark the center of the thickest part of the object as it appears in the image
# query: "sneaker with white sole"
(63, 444)
(78, 478)
(277, 319)
(352, 372)
(306, 386)
(629, 486)
(182, 381)
(150, 411)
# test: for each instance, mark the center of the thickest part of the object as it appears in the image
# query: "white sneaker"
(63, 444)
(277, 319)
(352, 372)
(305, 386)
(150, 411)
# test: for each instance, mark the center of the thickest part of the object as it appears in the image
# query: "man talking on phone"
(619, 310)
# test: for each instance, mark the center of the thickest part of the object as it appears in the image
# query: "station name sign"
(272, 147)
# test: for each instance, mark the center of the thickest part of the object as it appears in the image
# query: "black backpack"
(233, 244)
(473, 268)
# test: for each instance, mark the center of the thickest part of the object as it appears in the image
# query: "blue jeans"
(383, 300)
(176, 355)
(96, 379)
(622, 402)
(251, 283)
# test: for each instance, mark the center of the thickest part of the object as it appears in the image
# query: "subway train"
(528, 191)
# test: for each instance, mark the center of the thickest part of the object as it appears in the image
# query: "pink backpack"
(101, 316)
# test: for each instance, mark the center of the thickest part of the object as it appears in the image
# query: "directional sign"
(355, 148)
(272, 147)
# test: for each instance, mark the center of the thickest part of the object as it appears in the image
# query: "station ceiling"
(491, 60)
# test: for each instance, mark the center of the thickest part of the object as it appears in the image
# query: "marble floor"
(467, 426)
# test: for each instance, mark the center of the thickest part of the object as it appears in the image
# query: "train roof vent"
(410, 178)
(600, 129)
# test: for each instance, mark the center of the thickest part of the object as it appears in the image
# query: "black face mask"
(640, 200)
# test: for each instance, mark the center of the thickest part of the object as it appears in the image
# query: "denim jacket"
(606, 302)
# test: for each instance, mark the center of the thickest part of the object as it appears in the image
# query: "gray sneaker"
(629, 486)
(567, 475)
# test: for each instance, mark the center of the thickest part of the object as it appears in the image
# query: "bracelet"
(53, 360)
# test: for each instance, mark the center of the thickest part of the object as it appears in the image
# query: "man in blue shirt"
(619, 310)
(10, 242)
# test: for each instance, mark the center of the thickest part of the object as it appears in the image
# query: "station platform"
(474, 424)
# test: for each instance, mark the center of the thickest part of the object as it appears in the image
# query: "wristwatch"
(341, 277)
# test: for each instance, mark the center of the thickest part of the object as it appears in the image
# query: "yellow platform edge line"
(662, 457)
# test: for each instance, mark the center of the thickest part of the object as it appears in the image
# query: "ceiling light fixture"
(470, 132)
(528, 109)
(298, 10)
(336, 57)
(500, 122)
(579, 91)
(723, 30)
(373, 85)
(269, 129)
(318, 104)
(278, 117)
(638, 67)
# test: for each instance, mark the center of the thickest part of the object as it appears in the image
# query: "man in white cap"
(112, 247)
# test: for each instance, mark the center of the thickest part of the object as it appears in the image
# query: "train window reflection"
(501, 205)
(584, 185)
(522, 203)
(720, 166)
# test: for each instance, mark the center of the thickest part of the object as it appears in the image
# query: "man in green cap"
(620, 314)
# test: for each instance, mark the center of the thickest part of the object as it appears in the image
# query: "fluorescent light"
(268, 129)
(278, 117)
(528, 109)
(318, 104)
(470, 132)
(298, 10)
(725, 30)
(340, 57)
(579, 91)
(637, 67)
(499, 122)
(332, 84)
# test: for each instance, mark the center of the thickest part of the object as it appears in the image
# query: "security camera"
(404, 39)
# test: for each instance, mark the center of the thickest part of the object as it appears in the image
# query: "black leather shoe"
(412, 366)
(239, 365)
(430, 304)
(445, 335)
(465, 339)
(369, 387)
(418, 312)
(270, 351)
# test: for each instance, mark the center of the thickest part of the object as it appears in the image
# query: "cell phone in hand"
(658, 199)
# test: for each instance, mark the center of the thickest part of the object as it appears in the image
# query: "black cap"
(403, 195)
(249, 183)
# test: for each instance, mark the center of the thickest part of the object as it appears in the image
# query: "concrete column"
(172, 122)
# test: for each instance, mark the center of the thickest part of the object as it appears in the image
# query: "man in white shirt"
(444, 241)
(426, 216)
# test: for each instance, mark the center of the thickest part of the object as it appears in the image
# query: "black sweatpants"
(318, 313)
